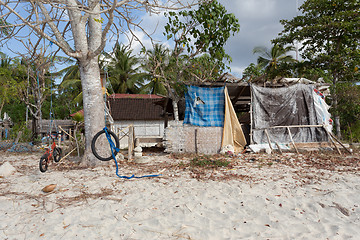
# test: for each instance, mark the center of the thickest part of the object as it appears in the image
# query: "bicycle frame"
(52, 153)
(49, 152)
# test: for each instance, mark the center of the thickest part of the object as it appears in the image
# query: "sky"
(259, 24)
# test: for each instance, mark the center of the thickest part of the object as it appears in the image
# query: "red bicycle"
(51, 153)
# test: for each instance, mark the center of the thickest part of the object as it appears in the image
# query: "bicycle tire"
(57, 154)
(95, 141)
(43, 164)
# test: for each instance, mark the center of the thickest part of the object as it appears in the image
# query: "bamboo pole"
(268, 138)
(331, 139)
(68, 154)
(69, 134)
(290, 126)
(340, 143)
(278, 146)
(292, 140)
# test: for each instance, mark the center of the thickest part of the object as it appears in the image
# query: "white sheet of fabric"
(322, 111)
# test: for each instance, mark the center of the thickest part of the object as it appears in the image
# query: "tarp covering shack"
(212, 107)
(287, 106)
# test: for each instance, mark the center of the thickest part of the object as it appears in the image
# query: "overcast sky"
(259, 24)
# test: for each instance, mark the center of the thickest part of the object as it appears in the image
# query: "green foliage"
(26, 132)
(156, 63)
(205, 29)
(16, 111)
(5, 29)
(274, 61)
(329, 34)
(351, 132)
(78, 117)
(253, 71)
(70, 86)
(203, 68)
(123, 70)
(348, 107)
(207, 161)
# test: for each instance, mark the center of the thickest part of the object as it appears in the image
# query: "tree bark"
(94, 113)
(335, 106)
(176, 110)
(87, 38)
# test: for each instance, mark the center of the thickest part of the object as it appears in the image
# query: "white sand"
(257, 201)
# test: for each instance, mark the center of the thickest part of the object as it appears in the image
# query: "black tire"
(43, 164)
(57, 154)
(104, 154)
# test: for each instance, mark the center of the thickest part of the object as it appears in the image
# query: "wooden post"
(131, 142)
(251, 119)
(268, 138)
(292, 140)
(196, 140)
(59, 136)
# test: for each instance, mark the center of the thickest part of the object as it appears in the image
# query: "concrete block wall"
(192, 139)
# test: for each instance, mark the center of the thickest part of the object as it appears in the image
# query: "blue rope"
(112, 147)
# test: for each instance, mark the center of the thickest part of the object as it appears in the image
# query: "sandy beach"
(257, 196)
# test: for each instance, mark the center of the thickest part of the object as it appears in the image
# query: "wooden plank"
(149, 139)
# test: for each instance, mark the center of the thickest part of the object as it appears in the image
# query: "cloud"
(259, 24)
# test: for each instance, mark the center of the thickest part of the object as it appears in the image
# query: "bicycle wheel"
(57, 154)
(101, 147)
(43, 164)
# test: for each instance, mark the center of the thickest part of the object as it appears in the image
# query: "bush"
(352, 132)
(26, 133)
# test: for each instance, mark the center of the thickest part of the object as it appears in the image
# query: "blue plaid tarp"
(204, 106)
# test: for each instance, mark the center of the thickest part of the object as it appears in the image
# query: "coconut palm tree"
(271, 60)
(71, 83)
(123, 70)
(155, 62)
